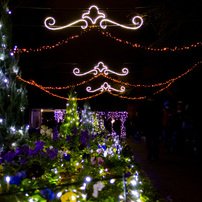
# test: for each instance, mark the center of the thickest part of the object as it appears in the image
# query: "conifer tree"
(71, 119)
(13, 97)
(96, 128)
(87, 118)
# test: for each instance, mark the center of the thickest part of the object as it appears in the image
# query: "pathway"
(175, 176)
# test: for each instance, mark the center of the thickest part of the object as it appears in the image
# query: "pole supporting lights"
(137, 21)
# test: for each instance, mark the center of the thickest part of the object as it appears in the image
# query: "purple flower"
(24, 149)
(21, 174)
(39, 145)
(99, 151)
(48, 194)
(15, 180)
(9, 156)
(100, 161)
(52, 153)
(23, 161)
(84, 136)
(55, 136)
(68, 138)
(17, 151)
(104, 147)
(74, 130)
(32, 152)
(93, 160)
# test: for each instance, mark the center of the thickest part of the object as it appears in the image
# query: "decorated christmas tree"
(96, 126)
(71, 119)
(87, 118)
(13, 99)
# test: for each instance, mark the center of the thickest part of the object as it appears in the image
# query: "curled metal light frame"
(137, 21)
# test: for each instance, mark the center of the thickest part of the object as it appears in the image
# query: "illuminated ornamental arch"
(137, 21)
(105, 70)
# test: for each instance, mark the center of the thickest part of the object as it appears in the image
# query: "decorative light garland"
(48, 47)
(150, 48)
(32, 82)
(90, 97)
(97, 70)
(100, 15)
(107, 34)
(105, 87)
(157, 84)
(169, 82)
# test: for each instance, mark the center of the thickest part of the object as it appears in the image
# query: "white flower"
(97, 187)
(49, 131)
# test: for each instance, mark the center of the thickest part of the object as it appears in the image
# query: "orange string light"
(66, 98)
(143, 97)
(48, 47)
(135, 45)
(32, 82)
(169, 82)
(85, 98)
(107, 34)
(157, 84)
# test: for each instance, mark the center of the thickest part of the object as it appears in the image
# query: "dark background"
(166, 24)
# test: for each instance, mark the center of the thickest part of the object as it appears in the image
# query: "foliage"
(53, 167)
(71, 118)
(13, 98)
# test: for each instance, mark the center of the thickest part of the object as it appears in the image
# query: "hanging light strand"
(48, 47)
(107, 34)
(141, 97)
(150, 48)
(32, 82)
(89, 97)
(157, 84)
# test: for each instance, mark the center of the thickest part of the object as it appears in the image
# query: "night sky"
(166, 24)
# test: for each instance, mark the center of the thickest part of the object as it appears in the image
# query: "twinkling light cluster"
(113, 115)
(137, 21)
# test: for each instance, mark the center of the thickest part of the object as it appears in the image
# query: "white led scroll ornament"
(97, 70)
(137, 21)
(105, 87)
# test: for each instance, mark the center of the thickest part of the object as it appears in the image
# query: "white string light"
(137, 21)
(105, 87)
(97, 70)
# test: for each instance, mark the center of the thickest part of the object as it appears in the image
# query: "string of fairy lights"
(106, 34)
(165, 85)
(100, 23)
